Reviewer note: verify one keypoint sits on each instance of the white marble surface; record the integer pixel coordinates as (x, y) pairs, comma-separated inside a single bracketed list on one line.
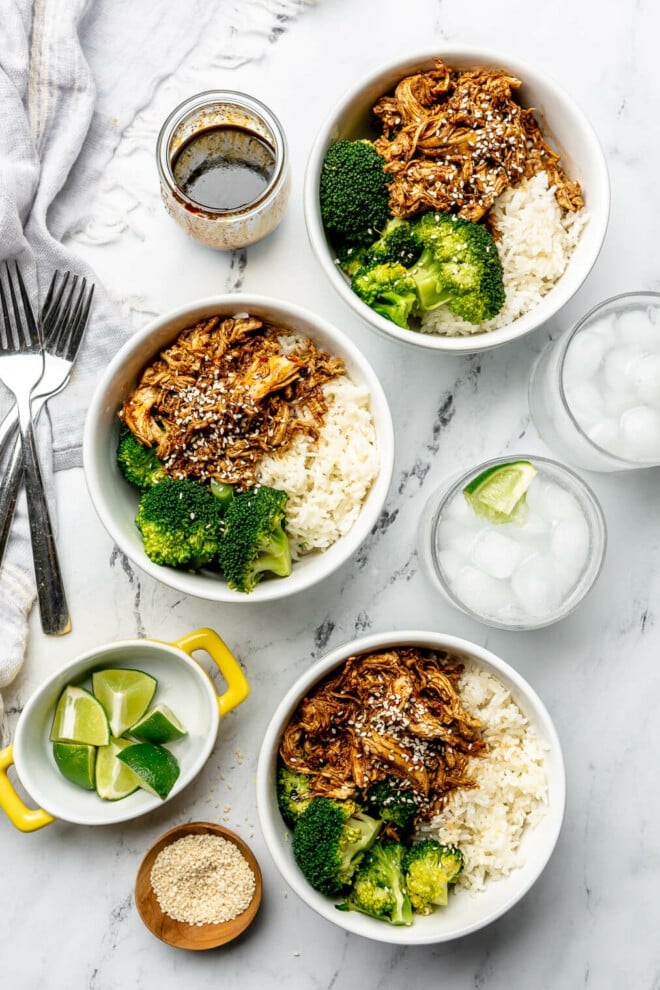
[(592, 920)]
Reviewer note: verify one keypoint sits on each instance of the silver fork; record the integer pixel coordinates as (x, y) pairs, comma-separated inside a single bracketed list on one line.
[(21, 368), (63, 321)]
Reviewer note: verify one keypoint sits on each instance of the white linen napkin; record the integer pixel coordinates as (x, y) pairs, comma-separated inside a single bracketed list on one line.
[(59, 127)]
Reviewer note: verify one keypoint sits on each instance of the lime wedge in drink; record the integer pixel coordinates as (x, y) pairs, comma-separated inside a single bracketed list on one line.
[(498, 493), (79, 718), (76, 761), (154, 765), (158, 725), (114, 780), (125, 695)]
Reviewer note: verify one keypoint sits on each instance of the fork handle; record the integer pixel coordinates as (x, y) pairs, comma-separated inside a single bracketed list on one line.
[(55, 620), (7, 427), (9, 486)]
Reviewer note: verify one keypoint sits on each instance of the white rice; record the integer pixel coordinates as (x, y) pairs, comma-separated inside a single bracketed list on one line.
[(327, 480), (487, 822), (536, 243)]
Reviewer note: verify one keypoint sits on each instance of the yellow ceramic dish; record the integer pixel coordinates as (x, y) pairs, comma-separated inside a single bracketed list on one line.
[(182, 684)]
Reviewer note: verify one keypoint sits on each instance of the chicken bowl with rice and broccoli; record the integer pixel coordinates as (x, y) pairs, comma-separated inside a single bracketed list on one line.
[(238, 449), (456, 199), (410, 787)]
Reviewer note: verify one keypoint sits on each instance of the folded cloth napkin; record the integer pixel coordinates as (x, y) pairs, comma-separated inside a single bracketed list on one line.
[(57, 133)]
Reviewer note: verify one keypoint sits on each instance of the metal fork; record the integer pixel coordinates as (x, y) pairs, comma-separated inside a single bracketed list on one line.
[(63, 321), (21, 368)]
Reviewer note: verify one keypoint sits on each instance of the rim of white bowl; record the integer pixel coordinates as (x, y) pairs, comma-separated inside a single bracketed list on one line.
[(106, 812), (323, 564), (273, 828), (566, 286)]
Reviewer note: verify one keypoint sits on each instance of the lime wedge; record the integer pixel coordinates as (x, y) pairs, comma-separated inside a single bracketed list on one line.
[(159, 725), (125, 695), (155, 767), (498, 493), (79, 718), (76, 761), (114, 780)]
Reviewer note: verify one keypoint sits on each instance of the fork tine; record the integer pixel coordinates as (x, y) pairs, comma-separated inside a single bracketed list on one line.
[(62, 328), (51, 308), (31, 331), (13, 327), (49, 297), (79, 323), (7, 337)]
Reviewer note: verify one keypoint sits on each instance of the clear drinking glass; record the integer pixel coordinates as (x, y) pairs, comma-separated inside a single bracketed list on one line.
[(515, 575), (594, 393)]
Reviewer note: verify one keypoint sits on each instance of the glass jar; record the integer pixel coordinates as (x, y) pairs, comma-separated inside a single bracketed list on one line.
[(246, 139)]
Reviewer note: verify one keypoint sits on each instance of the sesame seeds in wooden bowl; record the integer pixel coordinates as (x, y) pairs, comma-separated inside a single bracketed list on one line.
[(199, 886)]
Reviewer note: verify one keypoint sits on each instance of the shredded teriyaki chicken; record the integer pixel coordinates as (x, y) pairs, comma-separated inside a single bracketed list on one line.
[(226, 393), (398, 713), (454, 140)]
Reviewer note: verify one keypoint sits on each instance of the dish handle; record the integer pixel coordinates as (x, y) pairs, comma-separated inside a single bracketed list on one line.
[(25, 819), (237, 684)]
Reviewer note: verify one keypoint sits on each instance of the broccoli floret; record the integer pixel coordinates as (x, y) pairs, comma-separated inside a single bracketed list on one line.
[(459, 266), (254, 540), (180, 522), (379, 888), (354, 191), (352, 257), (138, 463), (329, 840), (388, 289), (224, 493), (398, 243), (293, 794), (430, 868), (395, 804)]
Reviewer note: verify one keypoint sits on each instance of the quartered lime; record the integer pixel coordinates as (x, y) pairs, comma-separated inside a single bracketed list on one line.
[(155, 766), (498, 493), (114, 780), (76, 762), (79, 718), (125, 695), (158, 725)]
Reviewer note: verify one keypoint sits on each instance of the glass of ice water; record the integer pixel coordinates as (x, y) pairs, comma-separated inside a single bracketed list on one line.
[(594, 393), (522, 574)]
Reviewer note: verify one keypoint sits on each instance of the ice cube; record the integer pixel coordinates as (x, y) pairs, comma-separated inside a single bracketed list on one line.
[(537, 586), (534, 531), (617, 367), (459, 508), (585, 401), (454, 535), (451, 563), (550, 501), (618, 401), (481, 592), (570, 544), (640, 433), (638, 328), (606, 434), (585, 354), (495, 553), (645, 378)]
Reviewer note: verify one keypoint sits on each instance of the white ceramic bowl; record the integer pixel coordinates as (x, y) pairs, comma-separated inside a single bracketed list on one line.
[(182, 684), (116, 501), (564, 124), (465, 913)]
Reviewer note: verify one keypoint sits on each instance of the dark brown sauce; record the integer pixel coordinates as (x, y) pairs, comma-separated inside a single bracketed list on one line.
[(224, 168)]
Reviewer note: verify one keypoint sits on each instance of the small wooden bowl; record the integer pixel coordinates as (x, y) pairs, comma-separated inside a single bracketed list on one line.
[(179, 933)]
